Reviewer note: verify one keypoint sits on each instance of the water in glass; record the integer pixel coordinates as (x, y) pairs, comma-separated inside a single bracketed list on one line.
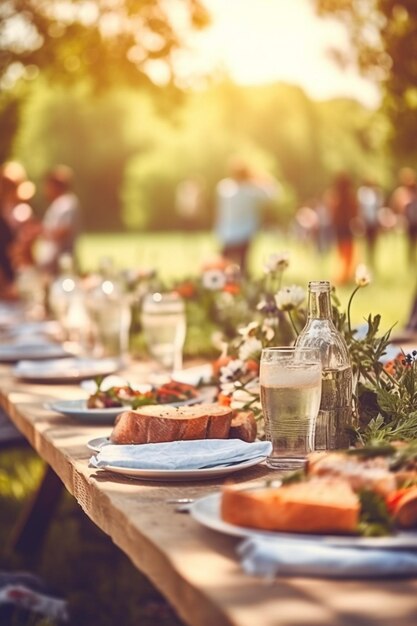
[(290, 395), (164, 327)]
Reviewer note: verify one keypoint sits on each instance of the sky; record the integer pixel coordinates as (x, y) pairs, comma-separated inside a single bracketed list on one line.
[(263, 41)]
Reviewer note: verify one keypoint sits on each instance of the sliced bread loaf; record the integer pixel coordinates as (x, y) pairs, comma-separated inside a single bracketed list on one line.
[(157, 423)]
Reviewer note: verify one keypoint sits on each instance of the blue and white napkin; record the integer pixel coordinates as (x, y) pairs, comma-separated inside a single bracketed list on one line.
[(270, 557), (181, 455)]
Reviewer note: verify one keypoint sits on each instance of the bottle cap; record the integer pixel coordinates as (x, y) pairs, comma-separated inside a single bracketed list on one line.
[(319, 285)]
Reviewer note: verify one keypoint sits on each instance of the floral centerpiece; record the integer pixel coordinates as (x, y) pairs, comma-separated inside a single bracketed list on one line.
[(385, 397), (228, 314)]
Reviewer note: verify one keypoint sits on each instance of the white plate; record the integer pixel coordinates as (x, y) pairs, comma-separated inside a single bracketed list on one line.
[(185, 475), (97, 443), (206, 511), (41, 350), (44, 328), (79, 410), (194, 375), (10, 313), (64, 370)]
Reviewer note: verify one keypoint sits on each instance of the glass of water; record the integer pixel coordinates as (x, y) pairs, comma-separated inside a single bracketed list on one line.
[(290, 380), (164, 326)]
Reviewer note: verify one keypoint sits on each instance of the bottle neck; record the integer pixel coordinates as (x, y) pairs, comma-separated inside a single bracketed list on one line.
[(319, 306)]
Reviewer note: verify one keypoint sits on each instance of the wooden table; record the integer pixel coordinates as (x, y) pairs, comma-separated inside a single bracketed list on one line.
[(194, 567)]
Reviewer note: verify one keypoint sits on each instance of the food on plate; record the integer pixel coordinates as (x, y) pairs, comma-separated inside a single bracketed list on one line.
[(369, 491), (317, 506), (155, 424), (403, 506), (170, 392), (361, 473), (243, 426)]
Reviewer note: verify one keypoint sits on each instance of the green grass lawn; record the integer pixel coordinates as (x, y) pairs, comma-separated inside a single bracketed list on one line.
[(177, 255)]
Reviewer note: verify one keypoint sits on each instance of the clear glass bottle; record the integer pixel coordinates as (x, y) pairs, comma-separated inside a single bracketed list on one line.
[(335, 414)]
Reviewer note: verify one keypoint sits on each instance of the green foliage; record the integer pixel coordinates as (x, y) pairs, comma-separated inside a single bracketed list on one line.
[(383, 36), (130, 156), (20, 473), (375, 520), (88, 133), (386, 396), (107, 42), (10, 105)]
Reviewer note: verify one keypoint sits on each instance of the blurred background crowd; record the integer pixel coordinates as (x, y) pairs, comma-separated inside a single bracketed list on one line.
[(244, 203), (149, 142)]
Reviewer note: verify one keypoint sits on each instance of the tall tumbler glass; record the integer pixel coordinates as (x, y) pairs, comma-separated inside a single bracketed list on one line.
[(164, 327), (290, 381)]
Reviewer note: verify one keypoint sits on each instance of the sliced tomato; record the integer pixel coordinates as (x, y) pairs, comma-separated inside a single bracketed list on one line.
[(394, 498)]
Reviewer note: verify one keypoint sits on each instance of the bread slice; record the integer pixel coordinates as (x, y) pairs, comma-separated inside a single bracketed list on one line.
[(158, 423), (316, 506), (243, 426)]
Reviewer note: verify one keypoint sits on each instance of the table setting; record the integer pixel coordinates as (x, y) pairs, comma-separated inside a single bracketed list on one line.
[(266, 394)]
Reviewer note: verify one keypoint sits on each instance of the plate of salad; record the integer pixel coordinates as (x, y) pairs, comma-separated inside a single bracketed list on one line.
[(103, 405)]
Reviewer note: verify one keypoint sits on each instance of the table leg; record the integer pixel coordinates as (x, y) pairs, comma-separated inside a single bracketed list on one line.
[(33, 524)]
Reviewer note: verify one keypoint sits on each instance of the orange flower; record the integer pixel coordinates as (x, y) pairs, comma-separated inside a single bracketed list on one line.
[(186, 290), (219, 363), (393, 367), (252, 366), (216, 263), (224, 400), (232, 288)]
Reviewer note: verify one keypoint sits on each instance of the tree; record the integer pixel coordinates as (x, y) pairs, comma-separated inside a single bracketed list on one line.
[(108, 40), (383, 35), (9, 122)]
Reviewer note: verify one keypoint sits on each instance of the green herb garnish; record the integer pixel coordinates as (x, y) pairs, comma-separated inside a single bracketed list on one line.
[(370, 452), (375, 520)]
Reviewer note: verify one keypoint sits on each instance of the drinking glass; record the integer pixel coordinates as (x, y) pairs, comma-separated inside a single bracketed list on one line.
[(290, 380), (110, 319), (164, 327), (111, 325)]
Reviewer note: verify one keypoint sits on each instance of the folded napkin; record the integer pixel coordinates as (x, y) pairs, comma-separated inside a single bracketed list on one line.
[(181, 455), (270, 557)]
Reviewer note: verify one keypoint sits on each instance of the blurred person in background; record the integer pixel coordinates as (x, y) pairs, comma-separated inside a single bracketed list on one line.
[(239, 201), (18, 226), (325, 234), (342, 203), (190, 199), (404, 203), (61, 221), (370, 201)]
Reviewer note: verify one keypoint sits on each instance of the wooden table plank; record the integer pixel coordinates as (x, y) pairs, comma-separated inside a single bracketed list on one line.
[(195, 568)]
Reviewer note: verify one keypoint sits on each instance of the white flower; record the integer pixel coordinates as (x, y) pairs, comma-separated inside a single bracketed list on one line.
[(232, 371), (213, 279), (227, 389), (250, 349), (277, 262), (268, 329), (362, 276), (289, 298), (249, 330), (218, 341), (249, 395)]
